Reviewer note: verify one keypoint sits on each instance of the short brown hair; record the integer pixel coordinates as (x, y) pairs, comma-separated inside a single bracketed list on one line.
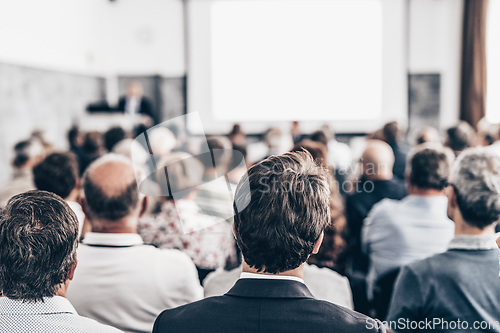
[(57, 173), (286, 210)]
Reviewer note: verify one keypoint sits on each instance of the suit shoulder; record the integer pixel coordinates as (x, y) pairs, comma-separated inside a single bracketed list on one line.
[(352, 321), (185, 312)]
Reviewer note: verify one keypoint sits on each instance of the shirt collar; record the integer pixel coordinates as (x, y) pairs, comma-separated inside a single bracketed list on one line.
[(246, 275), (474, 242), (94, 238), (50, 305)]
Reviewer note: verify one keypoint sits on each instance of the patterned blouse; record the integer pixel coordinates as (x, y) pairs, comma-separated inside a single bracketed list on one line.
[(208, 240)]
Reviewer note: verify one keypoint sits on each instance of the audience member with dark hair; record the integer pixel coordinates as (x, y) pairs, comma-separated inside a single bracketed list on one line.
[(75, 141), (27, 154), (58, 173), (279, 222), (120, 281), (320, 136), (398, 232), (92, 150), (180, 221), (391, 133), (460, 285), (324, 283), (112, 137), (460, 137), (215, 198), (39, 237)]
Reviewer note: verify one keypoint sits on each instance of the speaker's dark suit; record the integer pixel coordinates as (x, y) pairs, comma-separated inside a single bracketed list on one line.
[(145, 107), (264, 305)]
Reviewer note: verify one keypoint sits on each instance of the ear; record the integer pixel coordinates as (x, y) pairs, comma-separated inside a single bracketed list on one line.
[(83, 202), (318, 243), (234, 231), (78, 184), (144, 206), (71, 270), (452, 198)]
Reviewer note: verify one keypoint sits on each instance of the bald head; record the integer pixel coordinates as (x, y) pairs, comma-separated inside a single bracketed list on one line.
[(110, 188), (377, 160), (428, 134)]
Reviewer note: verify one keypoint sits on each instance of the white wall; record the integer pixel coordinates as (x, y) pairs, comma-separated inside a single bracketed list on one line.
[(50, 34), (143, 37), (95, 37), (435, 39), (132, 37)]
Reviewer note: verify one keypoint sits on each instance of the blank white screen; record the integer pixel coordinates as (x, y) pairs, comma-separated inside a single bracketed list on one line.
[(274, 60)]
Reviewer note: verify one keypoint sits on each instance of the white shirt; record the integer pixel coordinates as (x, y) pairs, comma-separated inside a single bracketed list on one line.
[(80, 215), (246, 275), (132, 106), (323, 283), (54, 314), (397, 233), (121, 282)]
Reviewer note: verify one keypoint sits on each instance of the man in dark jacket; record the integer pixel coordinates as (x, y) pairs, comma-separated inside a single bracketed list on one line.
[(135, 104), (282, 209)]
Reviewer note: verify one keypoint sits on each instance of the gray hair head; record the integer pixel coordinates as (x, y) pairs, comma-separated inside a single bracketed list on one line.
[(475, 177)]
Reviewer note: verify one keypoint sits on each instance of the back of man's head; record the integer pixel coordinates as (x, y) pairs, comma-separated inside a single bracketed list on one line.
[(110, 188), (38, 240), (317, 150), (57, 173), (320, 136), (92, 142), (475, 178), (460, 137), (391, 132), (377, 160), (27, 153), (286, 210), (429, 166), (113, 136)]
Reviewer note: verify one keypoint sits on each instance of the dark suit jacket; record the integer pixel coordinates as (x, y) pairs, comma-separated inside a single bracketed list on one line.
[(144, 108), (359, 204), (264, 305)]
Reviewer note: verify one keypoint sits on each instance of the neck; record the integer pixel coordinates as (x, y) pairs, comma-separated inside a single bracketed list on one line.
[(412, 190), (126, 225), (297, 272), (62, 289), (73, 196), (463, 228)]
